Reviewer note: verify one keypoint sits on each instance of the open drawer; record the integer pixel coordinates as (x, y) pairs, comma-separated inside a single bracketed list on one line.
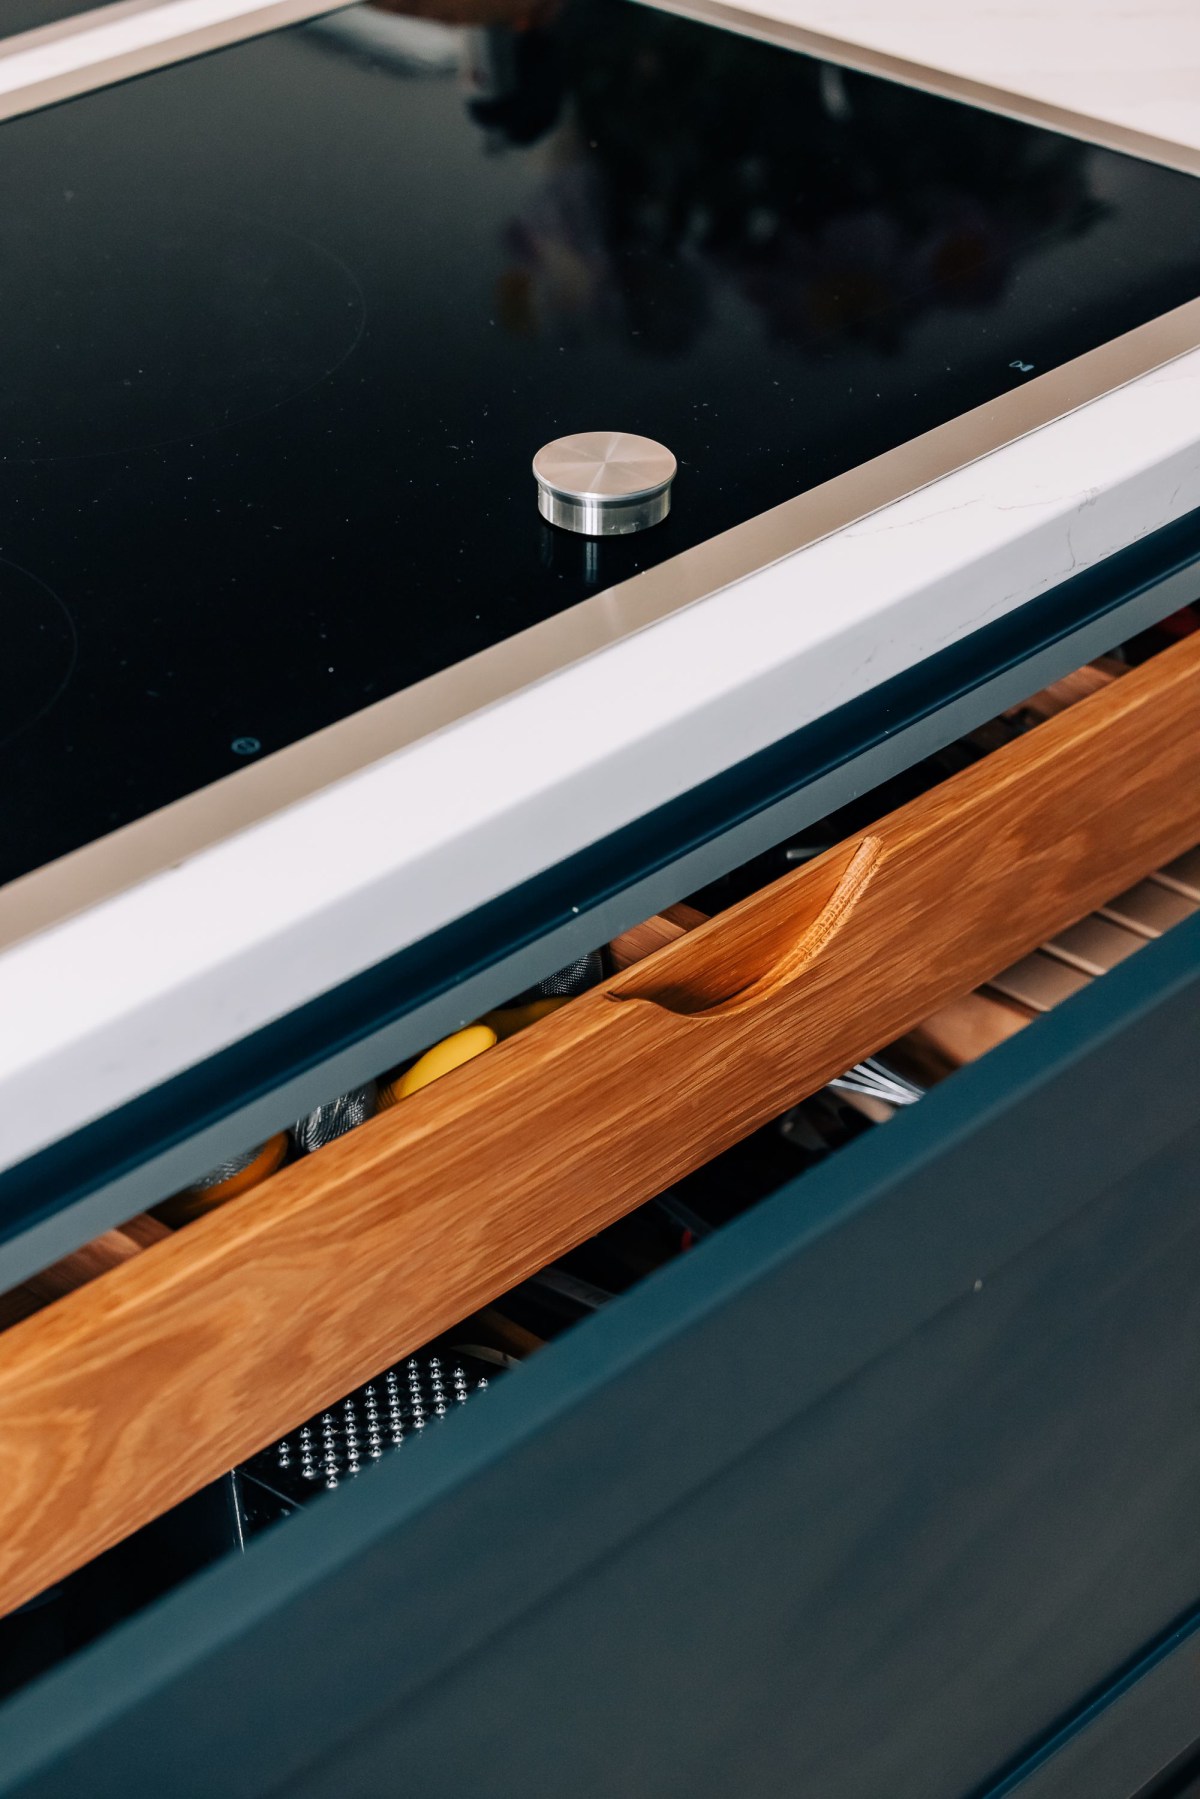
[(802, 1480)]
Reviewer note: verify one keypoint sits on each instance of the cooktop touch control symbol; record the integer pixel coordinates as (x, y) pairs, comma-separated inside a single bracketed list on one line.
[(604, 483)]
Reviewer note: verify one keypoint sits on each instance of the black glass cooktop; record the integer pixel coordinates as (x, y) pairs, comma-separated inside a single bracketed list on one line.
[(282, 328), (28, 15)]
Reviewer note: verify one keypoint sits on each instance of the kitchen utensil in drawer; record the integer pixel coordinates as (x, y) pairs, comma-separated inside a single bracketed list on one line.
[(547, 995), (237, 1174), (325, 1124), (451, 1053), (572, 979), (381, 1415), (873, 1079)]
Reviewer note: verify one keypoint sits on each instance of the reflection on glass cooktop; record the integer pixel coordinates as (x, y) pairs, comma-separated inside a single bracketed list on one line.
[(161, 325), (283, 327)]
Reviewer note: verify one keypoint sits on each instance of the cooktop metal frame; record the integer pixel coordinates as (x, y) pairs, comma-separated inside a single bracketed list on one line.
[(113, 43)]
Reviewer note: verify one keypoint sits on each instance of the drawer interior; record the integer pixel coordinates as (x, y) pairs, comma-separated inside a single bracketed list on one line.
[(344, 1287)]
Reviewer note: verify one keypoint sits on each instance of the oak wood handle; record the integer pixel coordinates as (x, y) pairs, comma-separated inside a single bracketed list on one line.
[(130, 1393), (687, 992)]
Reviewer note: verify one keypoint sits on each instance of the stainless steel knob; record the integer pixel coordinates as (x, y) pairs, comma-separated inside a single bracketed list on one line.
[(604, 483)]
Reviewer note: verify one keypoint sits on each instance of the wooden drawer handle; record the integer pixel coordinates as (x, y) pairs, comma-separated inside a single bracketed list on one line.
[(123, 1397), (826, 902)]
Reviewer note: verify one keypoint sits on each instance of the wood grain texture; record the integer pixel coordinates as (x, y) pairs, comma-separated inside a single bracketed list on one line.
[(1080, 684), (965, 1029), (82, 1265), (16, 1304), (1049, 701), (960, 1031), (134, 1391), (98, 1257), (193, 1202), (642, 940)]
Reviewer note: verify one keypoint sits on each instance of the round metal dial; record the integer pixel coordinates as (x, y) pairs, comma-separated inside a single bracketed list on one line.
[(604, 483)]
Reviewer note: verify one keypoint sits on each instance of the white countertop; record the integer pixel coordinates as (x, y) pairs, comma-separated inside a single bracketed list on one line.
[(1128, 62), (102, 1007)]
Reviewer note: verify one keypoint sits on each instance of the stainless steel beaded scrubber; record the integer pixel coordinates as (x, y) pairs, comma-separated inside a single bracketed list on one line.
[(332, 1120), (382, 1415)]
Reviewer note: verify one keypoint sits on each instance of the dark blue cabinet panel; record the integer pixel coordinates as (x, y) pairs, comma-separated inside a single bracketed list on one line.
[(869, 1495)]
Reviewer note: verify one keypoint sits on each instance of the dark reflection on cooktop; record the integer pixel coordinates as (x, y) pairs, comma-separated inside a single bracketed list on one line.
[(690, 176), (158, 325), (283, 328), (37, 651), (29, 15)]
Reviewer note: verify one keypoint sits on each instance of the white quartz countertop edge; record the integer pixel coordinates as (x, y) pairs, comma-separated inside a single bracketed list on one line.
[(108, 1004)]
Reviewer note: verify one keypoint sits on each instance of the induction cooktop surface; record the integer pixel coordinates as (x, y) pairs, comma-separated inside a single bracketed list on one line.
[(284, 326), (29, 15)]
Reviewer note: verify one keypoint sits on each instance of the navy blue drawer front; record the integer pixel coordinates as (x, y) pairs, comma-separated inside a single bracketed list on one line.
[(866, 1495)]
